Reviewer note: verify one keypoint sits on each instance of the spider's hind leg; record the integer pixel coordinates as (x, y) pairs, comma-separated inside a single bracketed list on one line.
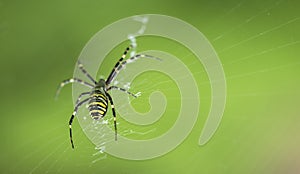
[(72, 118), (114, 113)]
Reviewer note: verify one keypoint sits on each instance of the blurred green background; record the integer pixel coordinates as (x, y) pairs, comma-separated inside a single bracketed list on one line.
[(257, 41)]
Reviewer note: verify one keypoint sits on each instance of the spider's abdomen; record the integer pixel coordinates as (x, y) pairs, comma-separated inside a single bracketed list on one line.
[(97, 104)]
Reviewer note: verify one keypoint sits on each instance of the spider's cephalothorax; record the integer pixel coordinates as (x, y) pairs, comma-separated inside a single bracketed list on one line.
[(98, 97)]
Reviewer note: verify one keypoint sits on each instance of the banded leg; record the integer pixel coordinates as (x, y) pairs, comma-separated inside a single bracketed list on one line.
[(86, 73), (72, 117), (81, 95), (72, 80), (112, 74), (114, 113), (122, 89), (121, 65)]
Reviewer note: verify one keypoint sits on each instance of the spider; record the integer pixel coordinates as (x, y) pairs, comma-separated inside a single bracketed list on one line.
[(98, 96)]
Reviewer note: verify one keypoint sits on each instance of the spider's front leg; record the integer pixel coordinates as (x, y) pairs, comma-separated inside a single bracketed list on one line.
[(114, 70), (85, 72)]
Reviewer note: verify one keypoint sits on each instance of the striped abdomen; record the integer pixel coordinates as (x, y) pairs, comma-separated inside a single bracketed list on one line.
[(97, 104)]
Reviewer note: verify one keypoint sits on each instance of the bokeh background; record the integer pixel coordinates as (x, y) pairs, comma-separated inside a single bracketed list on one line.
[(258, 43)]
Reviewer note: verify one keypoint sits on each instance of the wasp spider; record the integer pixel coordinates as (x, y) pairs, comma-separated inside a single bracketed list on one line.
[(98, 97)]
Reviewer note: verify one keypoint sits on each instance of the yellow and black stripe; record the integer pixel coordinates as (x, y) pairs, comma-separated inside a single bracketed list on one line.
[(98, 104)]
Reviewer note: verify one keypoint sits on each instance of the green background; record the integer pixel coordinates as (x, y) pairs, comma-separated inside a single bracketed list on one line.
[(257, 42)]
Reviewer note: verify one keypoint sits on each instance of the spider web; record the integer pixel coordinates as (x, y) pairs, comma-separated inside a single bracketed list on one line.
[(62, 148), (142, 88)]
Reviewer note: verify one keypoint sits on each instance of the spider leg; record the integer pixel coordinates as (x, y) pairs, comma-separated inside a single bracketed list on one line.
[(113, 72), (81, 95), (72, 80), (72, 117), (114, 113), (121, 65), (121, 89), (86, 73)]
